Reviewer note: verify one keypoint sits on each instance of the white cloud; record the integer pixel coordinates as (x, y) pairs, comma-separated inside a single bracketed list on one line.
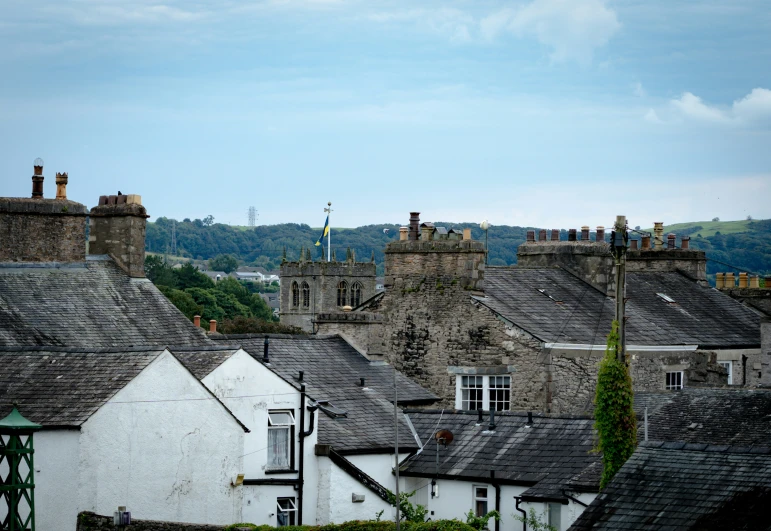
[(755, 107), (573, 29)]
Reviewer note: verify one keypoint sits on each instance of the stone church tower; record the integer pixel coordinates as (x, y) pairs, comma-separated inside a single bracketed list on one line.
[(309, 288)]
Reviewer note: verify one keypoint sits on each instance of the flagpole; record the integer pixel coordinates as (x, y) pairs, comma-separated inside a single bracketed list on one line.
[(329, 232)]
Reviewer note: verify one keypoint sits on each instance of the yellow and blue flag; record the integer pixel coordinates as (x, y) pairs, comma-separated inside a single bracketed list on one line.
[(323, 232)]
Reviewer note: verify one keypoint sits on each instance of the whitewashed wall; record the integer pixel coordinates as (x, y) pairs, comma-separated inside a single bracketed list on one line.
[(335, 503), (57, 475), (162, 457), (243, 376), (457, 497), (378, 466)]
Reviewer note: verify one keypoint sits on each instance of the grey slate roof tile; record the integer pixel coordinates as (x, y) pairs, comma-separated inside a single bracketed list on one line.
[(332, 370), (64, 387), (91, 304), (575, 312), (552, 453)]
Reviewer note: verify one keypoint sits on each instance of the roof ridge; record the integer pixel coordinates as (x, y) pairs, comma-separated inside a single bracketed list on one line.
[(705, 447)]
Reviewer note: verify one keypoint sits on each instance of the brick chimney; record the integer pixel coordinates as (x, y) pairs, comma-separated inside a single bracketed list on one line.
[(34, 229), (118, 228)]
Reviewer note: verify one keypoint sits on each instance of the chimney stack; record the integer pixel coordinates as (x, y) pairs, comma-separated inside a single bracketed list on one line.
[(61, 186), (118, 227), (403, 234), (426, 232), (572, 235), (585, 233), (555, 235), (213, 326), (414, 234), (658, 235), (197, 320), (600, 234), (37, 179), (671, 241), (645, 242), (467, 234), (542, 235), (719, 280), (530, 236), (633, 245), (685, 242)]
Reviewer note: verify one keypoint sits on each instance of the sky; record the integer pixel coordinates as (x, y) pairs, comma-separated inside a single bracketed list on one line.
[(542, 113)]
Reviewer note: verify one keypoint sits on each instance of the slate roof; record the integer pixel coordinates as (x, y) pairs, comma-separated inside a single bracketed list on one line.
[(548, 457), (665, 486), (202, 361), (60, 387), (738, 417), (90, 304), (331, 371), (571, 311)]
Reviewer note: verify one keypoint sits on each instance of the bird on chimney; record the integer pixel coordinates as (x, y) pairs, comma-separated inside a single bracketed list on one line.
[(119, 193)]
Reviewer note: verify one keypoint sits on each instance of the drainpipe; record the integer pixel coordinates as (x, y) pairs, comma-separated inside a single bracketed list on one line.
[(524, 513), (574, 500), (303, 435), (744, 370), (497, 498)]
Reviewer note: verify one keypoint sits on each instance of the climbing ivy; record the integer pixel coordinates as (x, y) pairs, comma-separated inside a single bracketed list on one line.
[(614, 410)]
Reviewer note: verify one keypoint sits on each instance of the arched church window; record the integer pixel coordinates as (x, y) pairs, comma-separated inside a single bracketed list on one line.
[(306, 289), (295, 295), (355, 294)]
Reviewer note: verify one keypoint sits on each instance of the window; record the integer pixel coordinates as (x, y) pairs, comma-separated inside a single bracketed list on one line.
[(675, 380), (306, 295), (555, 515), (729, 367), (280, 439), (480, 500), (295, 295), (286, 512), (342, 293), (483, 392), (356, 295)]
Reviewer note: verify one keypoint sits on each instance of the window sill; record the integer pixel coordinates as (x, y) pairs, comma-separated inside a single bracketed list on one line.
[(279, 471)]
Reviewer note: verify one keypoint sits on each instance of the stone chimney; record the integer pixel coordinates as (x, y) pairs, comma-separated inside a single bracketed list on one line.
[(118, 228), (658, 235), (34, 229)]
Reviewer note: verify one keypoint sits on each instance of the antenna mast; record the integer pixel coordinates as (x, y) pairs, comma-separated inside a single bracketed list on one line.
[(252, 216)]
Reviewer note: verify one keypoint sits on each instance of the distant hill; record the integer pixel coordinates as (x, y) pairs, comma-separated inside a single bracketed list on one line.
[(743, 244)]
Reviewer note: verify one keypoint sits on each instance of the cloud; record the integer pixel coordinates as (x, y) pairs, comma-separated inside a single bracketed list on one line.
[(652, 117), (638, 90), (573, 29), (755, 107)]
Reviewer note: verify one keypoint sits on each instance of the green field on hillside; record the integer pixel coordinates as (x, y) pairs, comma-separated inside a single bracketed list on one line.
[(707, 228)]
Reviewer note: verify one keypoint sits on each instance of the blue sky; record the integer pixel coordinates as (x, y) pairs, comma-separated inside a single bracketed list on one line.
[(547, 113)]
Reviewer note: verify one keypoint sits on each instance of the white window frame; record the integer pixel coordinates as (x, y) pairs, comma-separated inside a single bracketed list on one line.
[(729, 366), (291, 512), (460, 386), (475, 498), (275, 423), (677, 385)]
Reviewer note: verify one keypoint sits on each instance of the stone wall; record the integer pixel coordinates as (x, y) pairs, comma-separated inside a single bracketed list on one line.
[(323, 279), (42, 230), (88, 521), (119, 230), (591, 261), (363, 330), (691, 262), (757, 298), (459, 262), (765, 351)]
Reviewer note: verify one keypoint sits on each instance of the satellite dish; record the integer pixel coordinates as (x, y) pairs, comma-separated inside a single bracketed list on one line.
[(444, 437)]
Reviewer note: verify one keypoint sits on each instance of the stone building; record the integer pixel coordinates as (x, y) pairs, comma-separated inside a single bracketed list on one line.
[(530, 337), (309, 288)]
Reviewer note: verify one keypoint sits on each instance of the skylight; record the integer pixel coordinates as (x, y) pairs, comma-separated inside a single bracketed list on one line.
[(666, 298)]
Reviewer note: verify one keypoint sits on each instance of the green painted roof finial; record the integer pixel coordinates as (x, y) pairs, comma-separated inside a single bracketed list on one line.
[(15, 422)]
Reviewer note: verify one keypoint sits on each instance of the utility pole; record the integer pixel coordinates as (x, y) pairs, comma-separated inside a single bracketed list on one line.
[(174, 237), (618, 243), (396, 450)]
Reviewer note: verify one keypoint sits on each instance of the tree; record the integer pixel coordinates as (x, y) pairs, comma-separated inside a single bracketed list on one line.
[(224, 262), (159, 272), (208, 221), (615, 420), (409, 512), (716, 218), (534, 523), (480, 522)]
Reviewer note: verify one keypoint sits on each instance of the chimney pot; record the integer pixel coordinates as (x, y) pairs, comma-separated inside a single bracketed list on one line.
[(730, 281), (37, 179), (719, 280), (585, 233), (414, 226), (542, 235), (572, 235), (300, 376), (755, 282), (600, 237), (362, 382), (197, 320), (645, 242), (492, 420), (213, 326), (38, 166), (555, 235), (633, 245), (531, 236), (658, 235), (426, 233), (479, 412), (742, 280), (265, 347), (685, 242), (467, 234), (768, 282), (61, 185), (671, 241), (403, 234), (529, 418)]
